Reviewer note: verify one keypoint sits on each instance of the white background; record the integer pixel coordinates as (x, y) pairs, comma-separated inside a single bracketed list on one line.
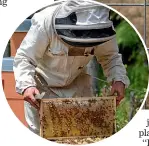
[(12, 131)]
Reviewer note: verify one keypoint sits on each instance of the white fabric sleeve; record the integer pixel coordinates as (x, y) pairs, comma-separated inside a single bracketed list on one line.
[(29, 53), (111, 61)]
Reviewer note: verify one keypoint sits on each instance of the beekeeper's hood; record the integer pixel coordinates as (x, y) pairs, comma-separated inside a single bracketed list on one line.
[(83, 23)]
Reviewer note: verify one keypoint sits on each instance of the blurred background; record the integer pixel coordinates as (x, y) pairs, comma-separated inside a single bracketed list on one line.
[(134, 56), (131, 48), (135, 61)]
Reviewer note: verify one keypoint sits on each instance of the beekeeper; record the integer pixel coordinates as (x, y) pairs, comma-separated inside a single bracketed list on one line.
[(54, 54)]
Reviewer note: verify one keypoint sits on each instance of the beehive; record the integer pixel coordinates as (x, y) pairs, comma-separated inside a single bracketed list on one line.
[(16, 101), (77, 117), (19, 35)]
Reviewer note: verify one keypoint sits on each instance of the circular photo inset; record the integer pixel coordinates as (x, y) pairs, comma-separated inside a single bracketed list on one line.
[(75, 72)]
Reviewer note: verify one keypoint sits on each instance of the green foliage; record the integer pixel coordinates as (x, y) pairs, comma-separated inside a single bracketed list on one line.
[(122, 114), (126, 36), (135, 61), (137, 70)]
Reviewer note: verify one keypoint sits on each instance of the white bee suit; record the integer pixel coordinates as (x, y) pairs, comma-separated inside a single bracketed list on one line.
[(44, 55)]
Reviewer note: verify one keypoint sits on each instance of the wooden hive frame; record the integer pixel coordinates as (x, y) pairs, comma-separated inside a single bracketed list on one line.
[(77, 117)]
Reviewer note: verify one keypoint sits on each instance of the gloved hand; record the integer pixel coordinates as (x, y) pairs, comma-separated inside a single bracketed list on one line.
[(29, 96), (119, 88)]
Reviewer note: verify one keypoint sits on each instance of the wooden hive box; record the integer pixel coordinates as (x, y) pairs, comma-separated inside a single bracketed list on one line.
[(19, 35), (15, 100), (77, 117)]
